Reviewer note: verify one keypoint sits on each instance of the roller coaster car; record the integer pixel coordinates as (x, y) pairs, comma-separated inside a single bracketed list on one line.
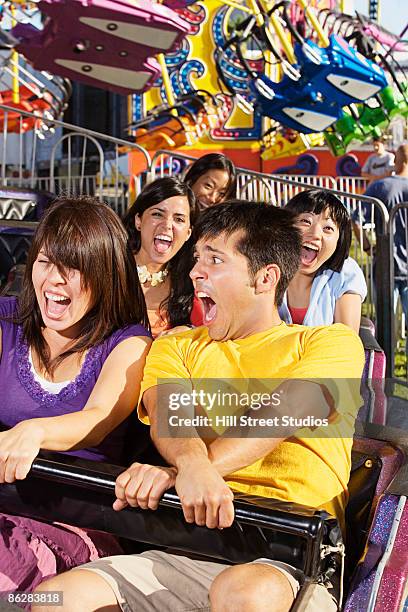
[(173, 133), (282, 143), (182, 124), (31, 100), (294, 109), (79, 492), (368, 121), (314, 102), (286, 142), (178, 125), (112, 45), (343, 75), (82, 493), (18, 205)]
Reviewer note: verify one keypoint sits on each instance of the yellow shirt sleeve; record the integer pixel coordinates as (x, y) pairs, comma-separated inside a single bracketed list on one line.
[(164, 361), (330, 351), (334, 357)]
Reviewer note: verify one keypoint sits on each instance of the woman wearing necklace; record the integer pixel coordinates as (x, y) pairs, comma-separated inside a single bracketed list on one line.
[(159, 225)]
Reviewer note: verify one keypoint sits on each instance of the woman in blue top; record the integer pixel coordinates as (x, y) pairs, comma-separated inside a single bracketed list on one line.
[(329, 286)]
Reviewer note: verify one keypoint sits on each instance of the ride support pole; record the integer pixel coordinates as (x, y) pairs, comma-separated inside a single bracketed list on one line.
[(384, 292)]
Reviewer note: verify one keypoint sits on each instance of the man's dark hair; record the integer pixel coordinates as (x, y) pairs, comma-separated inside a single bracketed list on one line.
[(268, 236), (317, 201)]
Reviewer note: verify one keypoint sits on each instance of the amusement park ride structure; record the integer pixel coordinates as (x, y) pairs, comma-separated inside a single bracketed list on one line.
[(248, 76), (284, 46)]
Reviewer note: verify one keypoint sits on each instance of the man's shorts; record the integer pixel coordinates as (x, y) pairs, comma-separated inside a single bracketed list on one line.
[(157, 580)]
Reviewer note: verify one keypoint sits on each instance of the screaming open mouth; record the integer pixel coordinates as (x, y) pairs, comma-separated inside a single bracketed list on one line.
[(308, 255), (162, 243), (209, 307), (56, 304)]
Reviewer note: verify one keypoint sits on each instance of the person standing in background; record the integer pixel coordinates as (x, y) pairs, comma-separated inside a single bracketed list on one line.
[(391, 190), (380, 163)]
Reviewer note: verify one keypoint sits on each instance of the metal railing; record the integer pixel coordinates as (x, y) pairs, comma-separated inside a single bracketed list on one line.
[(111, 184), (81, 144), (351, 184), (251, 185), (263, 187), (260, 186), (86, 184), (168, 163)]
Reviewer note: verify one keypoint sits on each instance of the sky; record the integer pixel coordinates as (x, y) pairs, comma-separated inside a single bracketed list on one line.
[(393, 13)]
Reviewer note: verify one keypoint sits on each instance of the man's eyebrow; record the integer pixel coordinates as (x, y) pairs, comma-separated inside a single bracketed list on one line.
[(212, 250), (207, 247)]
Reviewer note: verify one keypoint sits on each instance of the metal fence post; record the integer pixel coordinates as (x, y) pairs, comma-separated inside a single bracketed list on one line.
[(383, 308)]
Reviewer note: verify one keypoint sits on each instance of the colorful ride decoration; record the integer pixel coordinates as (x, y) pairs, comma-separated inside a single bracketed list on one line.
[(348, 165), (33, 103), (283, 142), (317, 81), (305, 164), (191, 69), (314, 101), (112, 45), (23, 88), (280, 93), (224, 72), (333, 21), (362, 122), (180, 125), (365, 122)]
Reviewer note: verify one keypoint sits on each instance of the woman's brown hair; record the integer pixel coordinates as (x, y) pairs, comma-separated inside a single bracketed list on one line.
[(83, 234), (179, 303)]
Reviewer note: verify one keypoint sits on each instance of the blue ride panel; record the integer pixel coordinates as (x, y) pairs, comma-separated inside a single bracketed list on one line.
[(301, 111), (311, 104), (343, 75)]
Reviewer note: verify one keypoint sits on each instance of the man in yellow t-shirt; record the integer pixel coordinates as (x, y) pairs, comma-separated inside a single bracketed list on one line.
[(294, 352), (301, 394)]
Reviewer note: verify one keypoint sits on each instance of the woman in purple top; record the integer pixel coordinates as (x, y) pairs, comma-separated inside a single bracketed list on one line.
[(72, 352)]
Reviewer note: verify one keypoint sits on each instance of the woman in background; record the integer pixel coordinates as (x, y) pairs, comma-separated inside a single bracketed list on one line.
[(212, 179), (159, 225), (329, 286)]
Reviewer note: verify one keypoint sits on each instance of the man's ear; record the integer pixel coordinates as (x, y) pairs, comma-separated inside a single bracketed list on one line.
[(267, 279)]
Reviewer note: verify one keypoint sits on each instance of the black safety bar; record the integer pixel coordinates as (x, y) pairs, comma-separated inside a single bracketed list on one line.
[(71, 490)]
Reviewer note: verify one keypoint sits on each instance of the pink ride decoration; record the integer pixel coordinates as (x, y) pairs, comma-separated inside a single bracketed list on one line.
[(103, 43)]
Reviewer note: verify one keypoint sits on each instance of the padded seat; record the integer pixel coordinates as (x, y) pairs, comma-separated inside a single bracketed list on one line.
[(374, 465), (374, 408), (18, 205)]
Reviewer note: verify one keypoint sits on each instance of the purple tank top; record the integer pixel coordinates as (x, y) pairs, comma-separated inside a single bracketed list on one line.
[(22, 398)]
